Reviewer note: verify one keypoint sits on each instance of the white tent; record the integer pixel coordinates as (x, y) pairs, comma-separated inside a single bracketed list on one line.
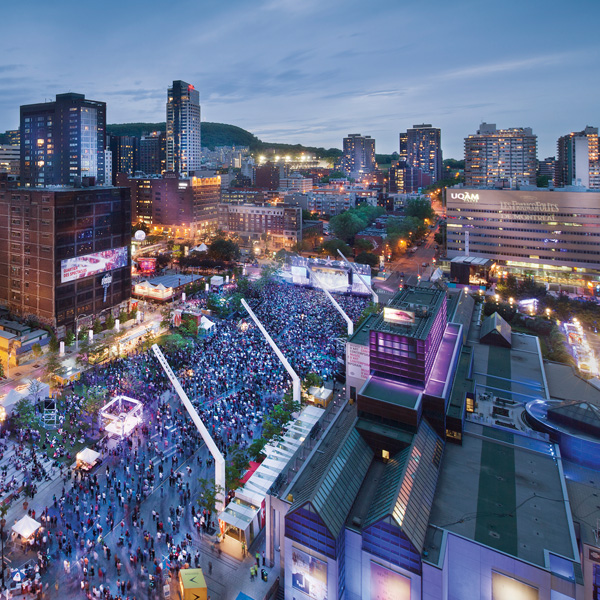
[(437, 274), (26, 527), (206, 323), (88, 456), (217, 280)]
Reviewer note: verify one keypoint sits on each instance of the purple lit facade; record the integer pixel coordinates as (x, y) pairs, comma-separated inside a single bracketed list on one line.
[(404, 356)]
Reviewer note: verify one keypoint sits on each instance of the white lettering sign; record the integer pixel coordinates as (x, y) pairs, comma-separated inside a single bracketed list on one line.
[(465, 196)]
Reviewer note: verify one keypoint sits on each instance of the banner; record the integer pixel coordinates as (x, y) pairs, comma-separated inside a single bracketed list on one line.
[(79, 267)]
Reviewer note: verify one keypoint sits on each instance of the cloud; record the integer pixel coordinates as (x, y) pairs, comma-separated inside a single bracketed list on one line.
[(493, 68)]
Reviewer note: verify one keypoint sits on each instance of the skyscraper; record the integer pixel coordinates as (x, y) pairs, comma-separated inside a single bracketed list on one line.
[(359, 155), (125, 154), (421, 147), (62, 141), (578, 161), (152, 153), (183, 129), (500, 156)]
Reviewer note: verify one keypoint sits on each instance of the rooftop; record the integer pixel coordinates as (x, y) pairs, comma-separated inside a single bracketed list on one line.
[(392, 392), (501, 490), (423, 302), (462, 384)]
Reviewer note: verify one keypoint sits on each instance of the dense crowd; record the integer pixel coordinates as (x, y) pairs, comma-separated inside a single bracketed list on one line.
[(99, 526)]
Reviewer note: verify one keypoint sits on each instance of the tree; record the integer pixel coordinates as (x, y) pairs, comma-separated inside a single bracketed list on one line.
[(419, 208), (97, 327), (330, 247), (222, 249), (363, 245), (94, 399), (82, 335), (110, 321), (24, 413), (54, 367), (37, 350), (346, 225), (208, 492), (234, 469), (69, 338), (53, 344), (365, 258), (312, 380), (255, 450)]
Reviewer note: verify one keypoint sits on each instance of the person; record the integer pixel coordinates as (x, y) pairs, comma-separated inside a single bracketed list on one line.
[(257, 559), (209, 567), (263, 558)]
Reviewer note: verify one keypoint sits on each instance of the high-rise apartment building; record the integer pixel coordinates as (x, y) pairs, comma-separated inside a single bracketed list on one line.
[(359, 155), (125, 151), (421, 147), (63, 141), (188, 205), (546, 168), (578, 161), (153, 153), (10, 159), (406, 179), (500, 156), (64, 252), (184, 151)]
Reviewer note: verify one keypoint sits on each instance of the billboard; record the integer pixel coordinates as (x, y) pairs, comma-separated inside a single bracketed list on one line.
[(79, 267), (309, 575), (387, 584), (400, 317), (358, 361), (147, 264)]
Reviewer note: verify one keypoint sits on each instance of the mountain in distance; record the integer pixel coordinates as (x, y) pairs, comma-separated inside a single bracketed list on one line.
[(221, 134)]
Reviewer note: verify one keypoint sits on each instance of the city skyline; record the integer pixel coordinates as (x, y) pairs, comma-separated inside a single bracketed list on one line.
[(303, 72)]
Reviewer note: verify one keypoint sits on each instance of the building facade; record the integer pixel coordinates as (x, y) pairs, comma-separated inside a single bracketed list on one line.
[(182, 205), (125, 151), (578, 160), (153, 157), (183, 139), (551, 234), (421, 147), (63, 141), (500, 157), (358, 157), (10, 159), (282, 224), (546, 168), (406, 179), (65, 252)]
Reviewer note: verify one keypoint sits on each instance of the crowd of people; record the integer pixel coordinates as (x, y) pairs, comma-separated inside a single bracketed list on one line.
[(108, 539)]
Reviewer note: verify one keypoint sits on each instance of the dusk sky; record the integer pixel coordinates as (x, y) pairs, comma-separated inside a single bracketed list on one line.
[(312, 71)]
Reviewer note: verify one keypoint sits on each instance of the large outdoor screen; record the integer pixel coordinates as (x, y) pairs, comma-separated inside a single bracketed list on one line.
[(79, 267), (309, 575)]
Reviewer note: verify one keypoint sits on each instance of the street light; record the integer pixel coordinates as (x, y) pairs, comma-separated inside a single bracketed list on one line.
[(77, 317)]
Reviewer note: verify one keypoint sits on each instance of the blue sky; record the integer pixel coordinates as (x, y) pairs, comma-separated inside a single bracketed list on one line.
[(312, 71)]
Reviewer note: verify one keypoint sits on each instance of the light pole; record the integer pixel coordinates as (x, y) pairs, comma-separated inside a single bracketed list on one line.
[(77, 317)]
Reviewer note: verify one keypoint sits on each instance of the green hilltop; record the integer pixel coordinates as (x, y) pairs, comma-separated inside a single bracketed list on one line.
[(221, 134)]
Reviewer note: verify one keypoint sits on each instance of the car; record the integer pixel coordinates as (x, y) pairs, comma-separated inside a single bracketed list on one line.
[(402, 274), (436, 247), (425, 264)]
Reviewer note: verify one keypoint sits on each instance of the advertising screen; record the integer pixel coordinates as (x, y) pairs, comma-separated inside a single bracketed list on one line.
[(309, 575), (79, 267), (388, 585), (395, 315), (358, 361), (333, 280), (147, 265)]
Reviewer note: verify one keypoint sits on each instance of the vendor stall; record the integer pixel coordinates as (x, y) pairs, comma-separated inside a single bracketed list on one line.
[(87, 459), (26, 527)]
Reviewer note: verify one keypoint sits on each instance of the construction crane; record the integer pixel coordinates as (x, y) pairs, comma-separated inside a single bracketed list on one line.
[(212, 447)]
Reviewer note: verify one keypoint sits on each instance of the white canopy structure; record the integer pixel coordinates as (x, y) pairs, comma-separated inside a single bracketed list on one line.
[(88, 456), (206, 323), (26, 527)]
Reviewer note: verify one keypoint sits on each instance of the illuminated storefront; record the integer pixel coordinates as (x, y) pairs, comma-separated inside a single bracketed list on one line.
[(551, 235)]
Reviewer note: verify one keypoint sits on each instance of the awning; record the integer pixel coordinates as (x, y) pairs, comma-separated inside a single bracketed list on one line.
[(88, 456), (250, 471), (26, 526)]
